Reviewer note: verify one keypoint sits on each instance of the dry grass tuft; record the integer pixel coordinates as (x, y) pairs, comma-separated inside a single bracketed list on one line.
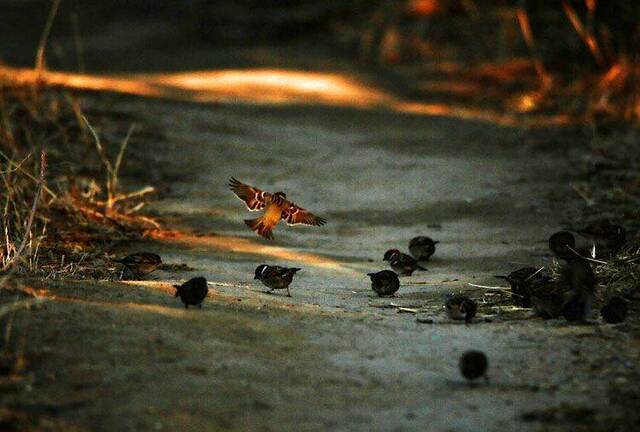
[(60, 221)]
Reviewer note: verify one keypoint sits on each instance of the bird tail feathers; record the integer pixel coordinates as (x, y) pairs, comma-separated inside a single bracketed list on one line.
[(260, 227)]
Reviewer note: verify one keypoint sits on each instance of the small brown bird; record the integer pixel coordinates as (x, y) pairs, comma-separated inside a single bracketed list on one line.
[(192, 292), (275, 277), (548, 297), (139, 264), (605, 234), (460, 307), (384, 283), (578, 274), (402, 264), (615, 311), (521, 281), (473, 364), (422, 247), (561, 243), (276, 207)]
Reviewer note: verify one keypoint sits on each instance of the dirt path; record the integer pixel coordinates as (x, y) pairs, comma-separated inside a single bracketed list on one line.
[(107, 356)]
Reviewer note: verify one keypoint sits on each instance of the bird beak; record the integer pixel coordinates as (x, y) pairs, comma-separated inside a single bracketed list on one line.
[(255, 277)]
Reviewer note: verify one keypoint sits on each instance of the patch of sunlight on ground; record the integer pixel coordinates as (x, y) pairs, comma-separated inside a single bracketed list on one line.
[(265, 87)]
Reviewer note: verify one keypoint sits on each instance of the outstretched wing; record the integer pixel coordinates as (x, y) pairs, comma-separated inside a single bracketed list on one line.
[(293, 215), (254, 198)]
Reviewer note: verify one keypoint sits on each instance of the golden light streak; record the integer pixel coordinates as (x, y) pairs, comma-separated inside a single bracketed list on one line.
[(245, 246), (265, 87)]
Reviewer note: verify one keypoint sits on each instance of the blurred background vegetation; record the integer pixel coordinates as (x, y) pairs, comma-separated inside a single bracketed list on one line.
[(582, 55), (575, 59)]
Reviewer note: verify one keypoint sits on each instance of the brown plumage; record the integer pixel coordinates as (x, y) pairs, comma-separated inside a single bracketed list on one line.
[(401, 263), (140, 264), (276, 207)]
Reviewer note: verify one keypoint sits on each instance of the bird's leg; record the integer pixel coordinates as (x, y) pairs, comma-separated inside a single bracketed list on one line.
[(200, 306), (288, 292), (186, 306)]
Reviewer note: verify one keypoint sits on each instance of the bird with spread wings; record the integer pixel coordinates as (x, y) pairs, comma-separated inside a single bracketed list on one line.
[(276, 207)]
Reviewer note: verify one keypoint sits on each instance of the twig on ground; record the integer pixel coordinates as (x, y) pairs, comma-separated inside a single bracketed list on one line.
[(497, 288), (584, 257)]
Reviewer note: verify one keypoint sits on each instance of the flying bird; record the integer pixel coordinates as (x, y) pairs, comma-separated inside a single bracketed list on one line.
[(276, 207)]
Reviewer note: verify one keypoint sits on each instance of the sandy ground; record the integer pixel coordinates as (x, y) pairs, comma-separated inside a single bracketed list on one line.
[(111, 356)]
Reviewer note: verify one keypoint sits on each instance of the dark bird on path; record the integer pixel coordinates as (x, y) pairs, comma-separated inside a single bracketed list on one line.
[(140, 264), (575, 309), (276, 277), (521, 281), (615, 311), (561, 244), (548, 297), (192, 292), (460, 307), (422, 247), (401, 263), (384, 283), (606, 235), (276, 207), (473, 364), (578, 275)]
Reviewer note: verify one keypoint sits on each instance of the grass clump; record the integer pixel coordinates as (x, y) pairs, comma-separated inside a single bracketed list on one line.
[(62, 204)]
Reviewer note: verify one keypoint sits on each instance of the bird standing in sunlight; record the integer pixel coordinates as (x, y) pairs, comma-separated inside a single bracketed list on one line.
[(139, 264), (276, 207), (275, 277)]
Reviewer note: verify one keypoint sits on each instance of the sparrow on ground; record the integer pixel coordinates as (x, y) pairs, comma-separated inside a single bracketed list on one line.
[(460, 307), (561, 244), (422, 248), (473, 364), (578, 274), (615, 311), (275, 277), (276, 207), (548, 297), (384, 283), (402, 264), (192, 292), (574, 309), (605, 234), (139, 264), (521, 281)]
